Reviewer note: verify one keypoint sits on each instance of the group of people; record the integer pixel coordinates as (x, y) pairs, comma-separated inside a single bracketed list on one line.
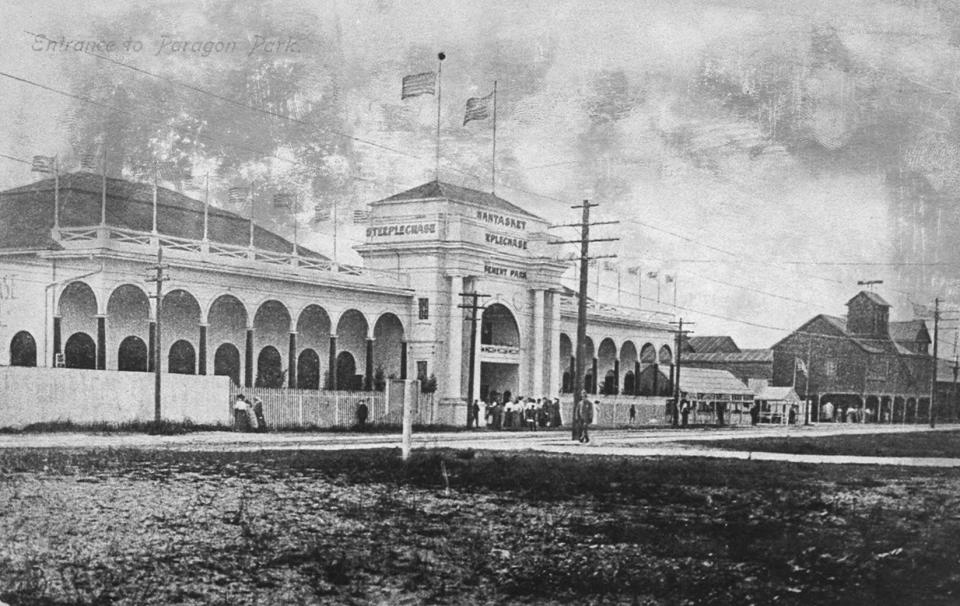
[(516, 413), (248, 414)]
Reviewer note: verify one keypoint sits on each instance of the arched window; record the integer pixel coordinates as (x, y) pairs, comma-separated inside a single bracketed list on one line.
[(23, 350), (308, 370), (132, 354), (226, 362), (80, 351), (347, 378), (269, 368), (183, 358)]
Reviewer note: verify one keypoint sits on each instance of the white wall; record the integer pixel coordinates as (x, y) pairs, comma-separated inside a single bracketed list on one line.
[(36, 395)]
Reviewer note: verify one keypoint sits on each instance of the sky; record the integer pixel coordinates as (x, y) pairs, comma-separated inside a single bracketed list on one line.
[(763, 155)]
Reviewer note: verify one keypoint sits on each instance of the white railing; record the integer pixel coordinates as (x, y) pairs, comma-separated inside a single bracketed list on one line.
[(509, 350), (294, 408), (117, 235)]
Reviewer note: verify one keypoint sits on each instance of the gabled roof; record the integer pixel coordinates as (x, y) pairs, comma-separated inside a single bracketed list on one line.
[(439, 189), (719, 344), (871, 296), (909, 331), (768, 392), (840, 328), (709, 380), (740, 357)]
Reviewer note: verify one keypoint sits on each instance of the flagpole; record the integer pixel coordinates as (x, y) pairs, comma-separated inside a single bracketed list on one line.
[(251, 215), (493, 171), (639, 287), (155, 169), (658, 287), (440, 58), (56, 192), (103, 188), (206, 206), (618, 287), (335, 230), (674, 291), (294, 226)]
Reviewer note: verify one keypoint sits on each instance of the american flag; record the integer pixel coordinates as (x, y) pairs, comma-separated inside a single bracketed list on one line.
[(88, 161), (478, 108), (634, 271), (238, 195), (43, 164), (361, 216), (608, 266), (652, 274), (668, 278), (282, 200), (419, 84), (321, 214)]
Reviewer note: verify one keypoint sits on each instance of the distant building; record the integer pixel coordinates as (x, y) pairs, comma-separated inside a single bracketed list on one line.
[(722, 353), (867, 367)]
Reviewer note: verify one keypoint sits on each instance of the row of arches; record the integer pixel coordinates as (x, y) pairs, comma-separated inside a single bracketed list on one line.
[(271, 348), (625, 371)]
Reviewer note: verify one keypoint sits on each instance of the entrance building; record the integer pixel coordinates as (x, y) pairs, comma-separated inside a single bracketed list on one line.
[(243, 302)]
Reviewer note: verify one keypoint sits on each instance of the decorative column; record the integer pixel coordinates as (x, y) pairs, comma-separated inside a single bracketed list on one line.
[(152, 347), (455, 341), (616, 373), (248, 360), (538, 344), (636, 378), (368, 374), (202, 351), (57, 348), (554, 376), (292, 364), (101, 342), (403, 360), (596, 379), (332, 364)]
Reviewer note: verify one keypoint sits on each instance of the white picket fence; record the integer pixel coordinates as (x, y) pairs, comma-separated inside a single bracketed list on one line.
[(289, 408)]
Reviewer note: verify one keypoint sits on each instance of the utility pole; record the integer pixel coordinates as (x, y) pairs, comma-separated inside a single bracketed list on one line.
[(474, 307), (584, 242), (159, 278), (680, 333), (933, 381)]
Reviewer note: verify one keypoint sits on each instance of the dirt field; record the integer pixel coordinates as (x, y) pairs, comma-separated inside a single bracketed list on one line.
[(925, 444), (163, 527)]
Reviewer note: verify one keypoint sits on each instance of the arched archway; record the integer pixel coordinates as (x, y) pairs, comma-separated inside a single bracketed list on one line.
[(589, 379), (606, 363), (629, 383), (665, 356), (352, 330), (182, 359), (648, 354), (347, 378), (128, 315), (308, 370), (387, 343), (499, 327), (132, 355), (80, 351), (269, 368), (313, 333), (628, 366), (226, 362), (23, 349), (78, 309)]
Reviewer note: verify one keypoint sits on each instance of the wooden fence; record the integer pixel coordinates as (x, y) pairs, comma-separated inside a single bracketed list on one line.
[(289, 408)]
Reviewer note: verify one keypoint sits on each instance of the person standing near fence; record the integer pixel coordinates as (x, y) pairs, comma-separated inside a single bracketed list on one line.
[(362, 413), (241, 420), (258, 414), (633, 414)]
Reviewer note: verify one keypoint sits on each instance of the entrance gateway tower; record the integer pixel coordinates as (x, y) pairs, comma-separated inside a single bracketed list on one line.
[(452, 240)]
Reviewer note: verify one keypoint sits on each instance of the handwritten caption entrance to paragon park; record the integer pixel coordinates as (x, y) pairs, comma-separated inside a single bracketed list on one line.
[(166, 45)]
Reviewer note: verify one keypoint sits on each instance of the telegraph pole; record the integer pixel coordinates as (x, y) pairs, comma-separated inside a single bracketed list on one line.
[(584, 242), (159, 278), (678, 343), (474, 307), (933, 381)]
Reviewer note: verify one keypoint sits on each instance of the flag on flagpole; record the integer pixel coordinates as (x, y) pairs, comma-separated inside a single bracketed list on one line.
[(282, 200), (652, 274), (478, 108), (634, 271), (321, 214), (668, 278), (801, 365), (361, 216), (43, 164), (88, 161), (608, 266), (237, 195), (419, 84)]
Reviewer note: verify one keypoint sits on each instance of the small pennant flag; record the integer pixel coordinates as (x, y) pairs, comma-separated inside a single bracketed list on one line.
[(652, 274), (478, 108), (634, 271), (608, 266), (668, 278), (282, 200), (43, 164), (361, 216), (321, 214), (237, 195), (88, 161), (419, 84), (801, 366)]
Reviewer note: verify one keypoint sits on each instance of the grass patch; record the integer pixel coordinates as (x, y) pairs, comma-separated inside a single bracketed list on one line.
[(920, 444), (163, 427)]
